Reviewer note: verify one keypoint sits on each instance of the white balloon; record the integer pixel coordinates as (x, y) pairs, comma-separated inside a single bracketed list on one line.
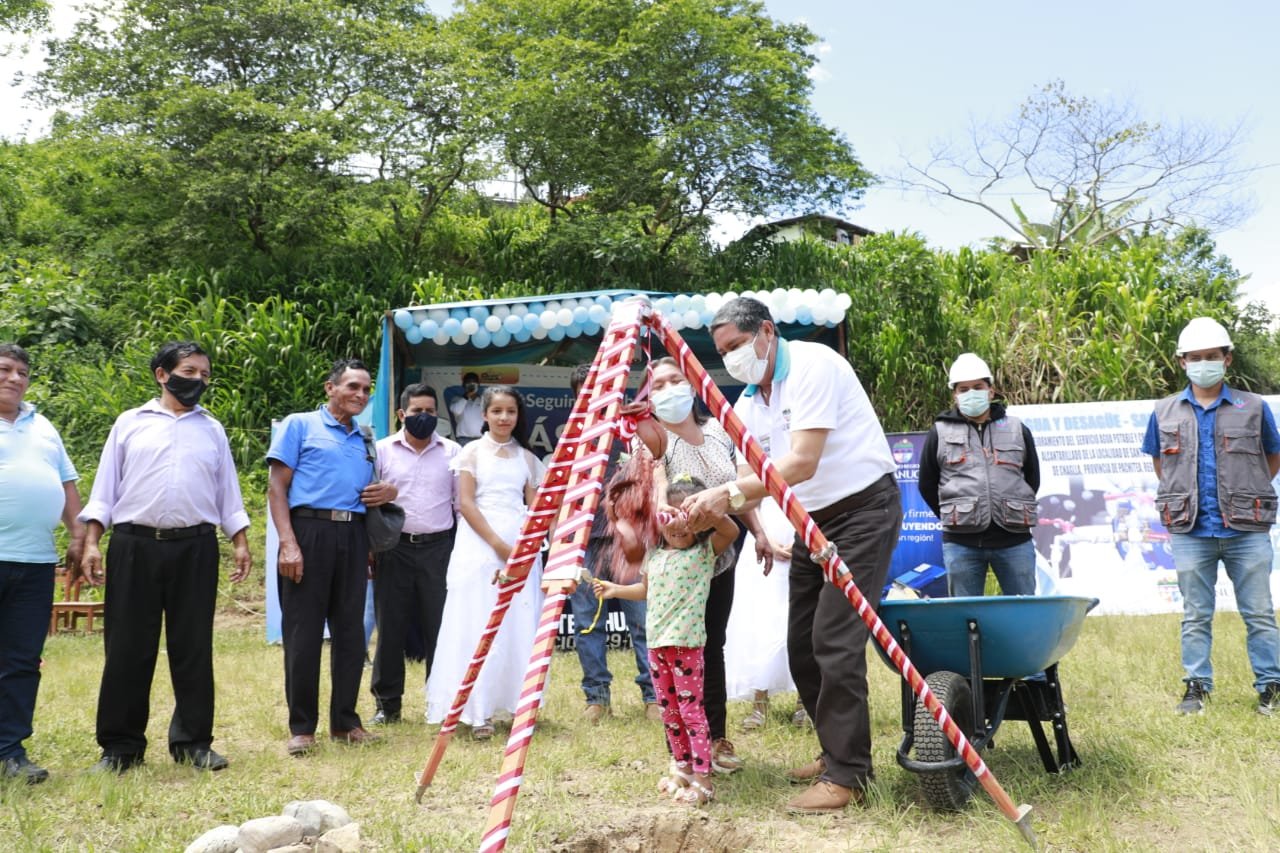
[(437, 314), (492, 323), (553, 305), (564, 317), (502, 311), (714, 301), (845, 301), (419, 316), (469, 327), (787, 314), (692, 319), (676, 321), (519, 309), (548, 319), (538, 333), (440, 339), (461, 337)]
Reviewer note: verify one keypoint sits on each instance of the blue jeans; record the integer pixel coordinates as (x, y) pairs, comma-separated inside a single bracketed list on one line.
[(1015, 568), (26, 600), (592, 648), (1247, 559)]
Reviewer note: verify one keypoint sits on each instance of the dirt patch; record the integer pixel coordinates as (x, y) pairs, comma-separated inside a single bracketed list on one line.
[(667, 833)]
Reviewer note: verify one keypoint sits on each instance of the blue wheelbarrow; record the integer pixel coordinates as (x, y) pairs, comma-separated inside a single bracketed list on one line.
[(987, 659)]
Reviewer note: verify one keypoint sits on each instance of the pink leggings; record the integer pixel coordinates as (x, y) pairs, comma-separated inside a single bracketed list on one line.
[(677, 681)]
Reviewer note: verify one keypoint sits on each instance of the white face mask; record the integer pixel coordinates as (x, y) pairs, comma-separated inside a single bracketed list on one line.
[(1206, 374), (673, 403), (744, 365), (974, 402)]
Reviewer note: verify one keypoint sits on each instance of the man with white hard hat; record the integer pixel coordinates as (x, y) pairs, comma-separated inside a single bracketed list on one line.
[(1216, 450), (979, 473)]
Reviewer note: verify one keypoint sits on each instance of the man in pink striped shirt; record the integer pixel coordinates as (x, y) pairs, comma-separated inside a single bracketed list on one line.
[(165, 482), (409, 580)]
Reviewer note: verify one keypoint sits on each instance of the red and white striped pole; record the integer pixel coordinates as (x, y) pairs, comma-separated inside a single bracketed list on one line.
[(603, 392), (833, 567), (546, 505)]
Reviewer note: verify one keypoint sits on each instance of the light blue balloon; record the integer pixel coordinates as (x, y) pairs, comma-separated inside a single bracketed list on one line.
[(512, 324), (605, 301), (597, 314), (413, 335), (403, 319), (537, 307), (532, 321), (522, 336), (555, 333), (804, 314), (580, 315), (591, 329), (573, 330), (429, 328), (459, 314), (480, 313), (481, 338), (451, 326), (707, 317), (502, 337)]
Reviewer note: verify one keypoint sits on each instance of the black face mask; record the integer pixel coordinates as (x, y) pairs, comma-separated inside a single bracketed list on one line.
[(186, 390), (421, 425)]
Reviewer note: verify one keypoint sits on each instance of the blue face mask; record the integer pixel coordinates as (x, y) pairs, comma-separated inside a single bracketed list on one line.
[(974, 403), (1206, 374)]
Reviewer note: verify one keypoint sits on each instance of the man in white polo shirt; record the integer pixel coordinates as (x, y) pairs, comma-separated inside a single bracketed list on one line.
[(805, 405)]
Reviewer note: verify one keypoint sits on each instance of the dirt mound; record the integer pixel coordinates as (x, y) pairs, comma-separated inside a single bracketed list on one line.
[(668, 833)]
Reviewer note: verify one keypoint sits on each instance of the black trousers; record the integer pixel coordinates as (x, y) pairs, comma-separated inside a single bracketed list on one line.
[(149, 583), (335, 559), (714, 692), (410, 580), (827, 640)]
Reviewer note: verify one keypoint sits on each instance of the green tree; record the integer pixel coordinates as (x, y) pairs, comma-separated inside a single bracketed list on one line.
[(662, 113), (18, 16), (280, 123)]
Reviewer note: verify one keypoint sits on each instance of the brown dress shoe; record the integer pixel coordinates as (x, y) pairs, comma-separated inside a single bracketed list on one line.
[(300, 744), (355, 736), (594, 713), (824, 797), (806, 773), (653, 712)]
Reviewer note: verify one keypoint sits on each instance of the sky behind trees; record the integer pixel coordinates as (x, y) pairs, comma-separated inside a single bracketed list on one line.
[(895, 78)]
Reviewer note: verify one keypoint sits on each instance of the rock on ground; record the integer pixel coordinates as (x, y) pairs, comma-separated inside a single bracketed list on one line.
[(344, 839), (265, 833), (222, 839), (317, 816)]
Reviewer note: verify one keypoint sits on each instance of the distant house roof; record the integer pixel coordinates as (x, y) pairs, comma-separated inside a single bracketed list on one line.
[(827, 226)]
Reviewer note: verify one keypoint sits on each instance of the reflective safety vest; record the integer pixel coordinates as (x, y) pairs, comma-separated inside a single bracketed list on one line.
[(1246, 498), (980, 478)]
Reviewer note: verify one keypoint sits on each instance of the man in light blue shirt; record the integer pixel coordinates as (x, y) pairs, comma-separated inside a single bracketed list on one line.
[(37, 488)]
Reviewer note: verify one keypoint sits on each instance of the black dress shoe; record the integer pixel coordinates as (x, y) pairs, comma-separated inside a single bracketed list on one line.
[(19, 767), (382, 718), (202, 758), (118, 764)]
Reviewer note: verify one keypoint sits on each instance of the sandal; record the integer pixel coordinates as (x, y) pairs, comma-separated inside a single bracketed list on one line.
[(676, 781), (697, 794), (483, 732)]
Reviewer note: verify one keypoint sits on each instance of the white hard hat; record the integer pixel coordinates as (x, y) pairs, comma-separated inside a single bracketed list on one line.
[(1203, 333), (968, 367)]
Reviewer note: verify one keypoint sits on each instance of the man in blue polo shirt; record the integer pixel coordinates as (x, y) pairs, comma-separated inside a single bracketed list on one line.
[(1216, 450), (318, 490), (37, 488)]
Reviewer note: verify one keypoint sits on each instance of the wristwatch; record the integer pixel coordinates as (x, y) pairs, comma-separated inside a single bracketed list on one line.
[(737, 500)]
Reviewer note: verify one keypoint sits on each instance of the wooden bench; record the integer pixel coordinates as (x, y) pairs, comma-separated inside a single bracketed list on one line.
[(68, 612)]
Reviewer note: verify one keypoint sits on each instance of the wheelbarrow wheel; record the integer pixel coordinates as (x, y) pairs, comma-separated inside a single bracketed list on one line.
[(947, 790)]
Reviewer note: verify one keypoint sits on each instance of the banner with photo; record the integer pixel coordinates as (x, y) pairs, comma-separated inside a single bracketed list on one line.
[(1099, 534)]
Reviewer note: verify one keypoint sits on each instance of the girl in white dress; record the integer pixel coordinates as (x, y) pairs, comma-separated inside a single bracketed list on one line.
[(755, 651), (498, 476)]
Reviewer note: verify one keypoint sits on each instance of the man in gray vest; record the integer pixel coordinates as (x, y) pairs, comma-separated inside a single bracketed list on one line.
[(979, 473), (1216, 450)]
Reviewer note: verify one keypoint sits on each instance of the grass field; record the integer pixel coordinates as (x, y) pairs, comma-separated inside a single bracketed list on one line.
[(1150, 780)]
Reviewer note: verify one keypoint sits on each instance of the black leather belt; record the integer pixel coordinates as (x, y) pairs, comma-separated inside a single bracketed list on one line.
[(326, 514), (422, 538), (857, 500), (164, 534)]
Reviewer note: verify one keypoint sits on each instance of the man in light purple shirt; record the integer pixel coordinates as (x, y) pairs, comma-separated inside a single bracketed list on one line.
[(165, 482), (409, 580)]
